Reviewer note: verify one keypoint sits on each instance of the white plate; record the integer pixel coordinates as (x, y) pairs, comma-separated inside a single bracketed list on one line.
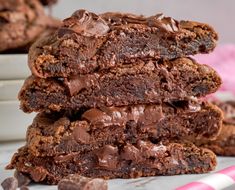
[(13, 121), (14, 66), (9, 89)]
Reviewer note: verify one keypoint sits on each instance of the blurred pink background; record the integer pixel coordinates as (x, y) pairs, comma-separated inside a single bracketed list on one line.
[(222, 59)]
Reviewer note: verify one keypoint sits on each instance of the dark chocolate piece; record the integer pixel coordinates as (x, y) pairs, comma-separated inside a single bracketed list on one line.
[(143, 83), (10, 183), (86, 24), (148, 159), (75, 182), (58, 133), (88, 42), (23, 180)]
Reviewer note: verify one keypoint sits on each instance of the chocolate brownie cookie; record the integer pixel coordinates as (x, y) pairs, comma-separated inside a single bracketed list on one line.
[(21, 23), (88, 42), (142, 158), (57, 133), (225, 143), (144, 82)]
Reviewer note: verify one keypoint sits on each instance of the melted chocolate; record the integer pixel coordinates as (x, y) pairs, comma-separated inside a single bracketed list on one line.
[(86, 23), (80, 133), (158, 21), (89, 24), (107, 157), (151, 150), (64, 158), (145, 114), (75, 182), (130, 152), (77, 83)]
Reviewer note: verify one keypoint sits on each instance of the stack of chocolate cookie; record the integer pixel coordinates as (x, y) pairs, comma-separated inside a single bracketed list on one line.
[(118, 98)]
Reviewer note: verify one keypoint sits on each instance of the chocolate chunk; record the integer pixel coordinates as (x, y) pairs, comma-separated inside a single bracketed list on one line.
[(158, 21), (64, 158), (107, 157), (97, 117), (151, 150), (105, 116), (76, 84), (86, 24), (80, 133), (38, 174), (162, 22), (23, 180), (64, 31), (130, 152), (78, 182), (10, 183)]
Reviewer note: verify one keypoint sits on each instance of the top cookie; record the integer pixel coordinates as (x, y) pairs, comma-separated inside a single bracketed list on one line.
[(21, 23), (88, 42)]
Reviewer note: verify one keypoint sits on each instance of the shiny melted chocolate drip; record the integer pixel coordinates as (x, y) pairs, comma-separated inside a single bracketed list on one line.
[(89, 24), (145, 114), (158, 21), (76, 83), (86, 23), (108, 156)]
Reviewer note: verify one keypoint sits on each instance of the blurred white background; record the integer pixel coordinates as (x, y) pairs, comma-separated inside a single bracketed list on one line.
[(218, 13)]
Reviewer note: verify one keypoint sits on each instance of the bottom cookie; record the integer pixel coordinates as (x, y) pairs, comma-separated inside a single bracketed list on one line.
[(143, 158)]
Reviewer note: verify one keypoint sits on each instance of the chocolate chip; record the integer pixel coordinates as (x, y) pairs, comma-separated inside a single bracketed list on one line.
[(151, 150), (75, 182), (23, 180), (63, 31), (130, 152), (108, 157), (10, 183), (38, 174), (80, 133), (86, 23)]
